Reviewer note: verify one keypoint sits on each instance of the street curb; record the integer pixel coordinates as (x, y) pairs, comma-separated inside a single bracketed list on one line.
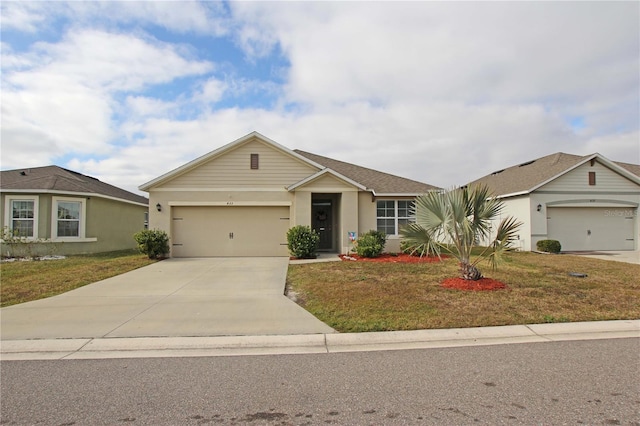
[(155, 347)]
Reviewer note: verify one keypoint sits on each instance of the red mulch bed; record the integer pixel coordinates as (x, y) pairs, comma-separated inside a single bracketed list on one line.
[(388, 258), (483, 284)]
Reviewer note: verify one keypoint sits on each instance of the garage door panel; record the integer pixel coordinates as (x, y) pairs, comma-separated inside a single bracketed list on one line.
[(591, 228), (229, 231)]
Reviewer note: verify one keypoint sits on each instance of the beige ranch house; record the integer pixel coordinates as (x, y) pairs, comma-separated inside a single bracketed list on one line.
[(240, 200)]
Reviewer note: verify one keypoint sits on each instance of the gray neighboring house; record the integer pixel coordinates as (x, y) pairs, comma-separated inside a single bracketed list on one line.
[(82, 213), (240, 200), (586, 202)]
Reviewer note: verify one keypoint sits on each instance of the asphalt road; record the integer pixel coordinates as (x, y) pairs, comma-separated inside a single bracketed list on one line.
[(571, 382)]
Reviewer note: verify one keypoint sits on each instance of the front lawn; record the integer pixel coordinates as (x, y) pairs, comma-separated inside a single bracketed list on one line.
[(26, 281), (361, 296)]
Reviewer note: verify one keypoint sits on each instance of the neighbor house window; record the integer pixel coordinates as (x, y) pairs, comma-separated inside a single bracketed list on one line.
[(21, 216), (392, 215), (68, 217), (254, 161)]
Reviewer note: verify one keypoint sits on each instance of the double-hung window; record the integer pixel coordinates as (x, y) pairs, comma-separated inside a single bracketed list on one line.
[(392, 215), (23, 217), (68, 217)]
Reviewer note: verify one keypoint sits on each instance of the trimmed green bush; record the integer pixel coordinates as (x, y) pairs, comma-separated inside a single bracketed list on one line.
[(303, 242), (371, 244), (549, 246), (152, 242)]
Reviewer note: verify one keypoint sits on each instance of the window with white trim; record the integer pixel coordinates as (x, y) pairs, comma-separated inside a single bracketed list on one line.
[(68, 217), (23, 218), (391, 215)]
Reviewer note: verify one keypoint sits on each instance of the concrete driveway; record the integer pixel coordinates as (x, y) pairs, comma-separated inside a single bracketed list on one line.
[(175, 297), (618, 256)]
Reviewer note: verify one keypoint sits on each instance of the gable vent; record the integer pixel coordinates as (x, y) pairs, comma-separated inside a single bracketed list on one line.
[(255, 158)]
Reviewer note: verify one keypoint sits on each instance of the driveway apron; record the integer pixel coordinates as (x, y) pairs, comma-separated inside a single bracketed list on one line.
[(175, 297)]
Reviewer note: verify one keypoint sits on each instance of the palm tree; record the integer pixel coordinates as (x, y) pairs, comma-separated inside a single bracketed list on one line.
[(455, 222)]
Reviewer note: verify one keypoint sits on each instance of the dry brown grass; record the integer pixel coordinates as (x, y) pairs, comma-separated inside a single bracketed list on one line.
[(26, 281), (358, 296)]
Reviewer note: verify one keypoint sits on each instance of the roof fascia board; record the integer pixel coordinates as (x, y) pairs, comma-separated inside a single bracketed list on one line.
[(70, 194), (397, 194), (219, 151), (513, 194), (323, 172)]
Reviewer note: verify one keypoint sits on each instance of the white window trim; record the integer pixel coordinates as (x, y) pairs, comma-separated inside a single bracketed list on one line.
[(83, 222), (395, 216), (8, 216)]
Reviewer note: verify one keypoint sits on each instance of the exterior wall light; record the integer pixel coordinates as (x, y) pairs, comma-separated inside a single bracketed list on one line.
[(538, 208), (159, 207)]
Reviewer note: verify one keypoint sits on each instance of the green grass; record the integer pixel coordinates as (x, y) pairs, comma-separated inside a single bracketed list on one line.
[(360, 296), (26, 281)]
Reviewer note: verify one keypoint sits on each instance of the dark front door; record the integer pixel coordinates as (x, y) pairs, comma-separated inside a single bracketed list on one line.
[(322, 222)]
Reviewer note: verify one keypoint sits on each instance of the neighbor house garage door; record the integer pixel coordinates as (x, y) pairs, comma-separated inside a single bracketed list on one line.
[(229, 231), (591, 228)]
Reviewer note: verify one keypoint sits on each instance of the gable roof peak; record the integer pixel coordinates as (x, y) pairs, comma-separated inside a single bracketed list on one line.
[(526, 177)]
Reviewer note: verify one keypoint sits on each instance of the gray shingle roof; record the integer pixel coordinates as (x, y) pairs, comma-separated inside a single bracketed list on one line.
[(526, 176), (633, 168), (54, 178), (379, 182)]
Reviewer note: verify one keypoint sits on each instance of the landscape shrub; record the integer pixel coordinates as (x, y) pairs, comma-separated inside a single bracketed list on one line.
[(16, 246), (549, 246), (303, 242), (152, 242), (371, 244)]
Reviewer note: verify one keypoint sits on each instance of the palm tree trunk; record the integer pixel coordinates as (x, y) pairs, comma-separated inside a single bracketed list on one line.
[(469, 272)]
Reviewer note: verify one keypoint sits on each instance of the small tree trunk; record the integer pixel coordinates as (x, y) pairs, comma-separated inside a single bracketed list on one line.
[(469, 272)]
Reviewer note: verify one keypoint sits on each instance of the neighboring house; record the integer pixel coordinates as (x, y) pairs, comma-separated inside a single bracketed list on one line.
[(61, 206), (586, 203), (241, 199)]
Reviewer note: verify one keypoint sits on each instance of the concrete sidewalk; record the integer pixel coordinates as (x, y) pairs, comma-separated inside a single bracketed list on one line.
[(149, 347)]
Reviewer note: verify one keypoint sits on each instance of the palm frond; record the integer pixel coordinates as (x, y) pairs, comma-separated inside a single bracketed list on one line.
[(419, 240)]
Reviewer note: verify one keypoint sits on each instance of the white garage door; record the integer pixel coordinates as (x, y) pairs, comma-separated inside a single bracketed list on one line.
[(591, 228), (229, 231)]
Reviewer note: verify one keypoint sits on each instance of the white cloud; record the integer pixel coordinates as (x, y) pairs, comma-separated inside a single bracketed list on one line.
[(211, 91), (144, 106), (441, 92), (26, 16), (64, 93), (183, 17)]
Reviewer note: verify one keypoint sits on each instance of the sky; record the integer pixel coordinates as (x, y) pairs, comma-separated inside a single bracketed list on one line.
[(439, 92)]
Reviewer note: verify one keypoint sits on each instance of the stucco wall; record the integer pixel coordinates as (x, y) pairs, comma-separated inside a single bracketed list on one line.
[(109, 225), (520, 208)]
